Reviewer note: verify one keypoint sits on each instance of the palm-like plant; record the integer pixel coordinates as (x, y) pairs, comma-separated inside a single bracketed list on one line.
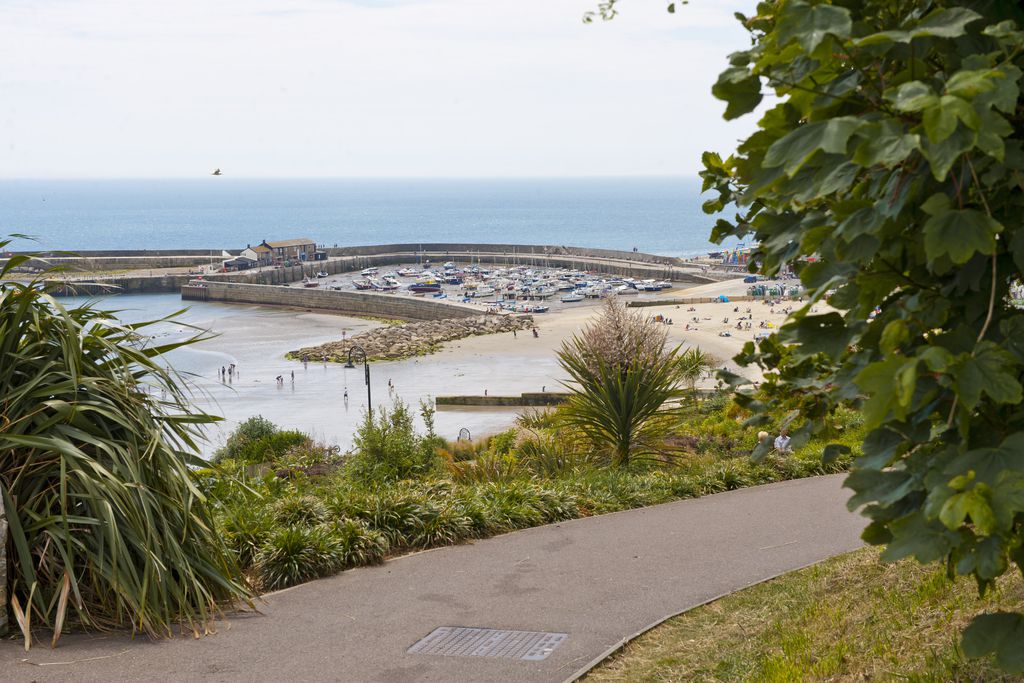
[(626, 382), (107, 527)]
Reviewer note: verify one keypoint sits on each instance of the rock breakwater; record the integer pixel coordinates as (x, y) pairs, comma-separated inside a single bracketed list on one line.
[(393, 342)]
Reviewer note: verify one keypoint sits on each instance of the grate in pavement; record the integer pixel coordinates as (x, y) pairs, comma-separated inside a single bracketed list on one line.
[(457, 641)]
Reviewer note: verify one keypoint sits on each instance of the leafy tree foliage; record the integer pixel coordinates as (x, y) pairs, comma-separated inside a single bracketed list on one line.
[(626, 383), (889, 168)]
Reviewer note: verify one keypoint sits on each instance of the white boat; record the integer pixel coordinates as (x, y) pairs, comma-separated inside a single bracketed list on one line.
[(572, 297), (368, 271), (322, 274), (625, 290), (483, 291)]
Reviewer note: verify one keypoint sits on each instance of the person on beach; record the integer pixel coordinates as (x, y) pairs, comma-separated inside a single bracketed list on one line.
[(293, 377), (305, 361), (345, 396), (535, 335)]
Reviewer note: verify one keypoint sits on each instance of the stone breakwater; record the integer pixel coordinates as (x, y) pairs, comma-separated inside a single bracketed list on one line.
[(393, 342)]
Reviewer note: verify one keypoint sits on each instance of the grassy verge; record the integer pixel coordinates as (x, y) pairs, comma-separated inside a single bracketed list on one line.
[(848, 619)]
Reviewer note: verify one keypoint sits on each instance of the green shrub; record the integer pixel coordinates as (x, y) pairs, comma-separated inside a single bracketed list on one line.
[(245, 529), (296, 554), (258, 440), (438, 524), (361, 545), (553, 453), (502, 443), (486, 467), (387, 447), (299, 510)]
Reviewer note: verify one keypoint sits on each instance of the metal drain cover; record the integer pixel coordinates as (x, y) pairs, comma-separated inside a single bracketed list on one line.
[(456, 641)]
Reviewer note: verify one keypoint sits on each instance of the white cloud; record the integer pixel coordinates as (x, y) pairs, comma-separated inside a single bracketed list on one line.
[(109, 88)]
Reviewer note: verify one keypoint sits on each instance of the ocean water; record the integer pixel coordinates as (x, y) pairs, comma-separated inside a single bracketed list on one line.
[(655, 215)]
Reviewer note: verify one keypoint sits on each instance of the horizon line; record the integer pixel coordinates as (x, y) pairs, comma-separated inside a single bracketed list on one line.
[(693, 176)]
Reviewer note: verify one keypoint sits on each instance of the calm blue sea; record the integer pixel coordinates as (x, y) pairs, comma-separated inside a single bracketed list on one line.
[(660, 215)]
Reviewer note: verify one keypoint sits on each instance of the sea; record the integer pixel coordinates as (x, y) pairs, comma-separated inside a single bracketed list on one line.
[(653, 215)]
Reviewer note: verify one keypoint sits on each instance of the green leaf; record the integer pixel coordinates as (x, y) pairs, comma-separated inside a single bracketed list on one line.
[(946, 23), (740, 89), (818, 334), (990, 464), (915, 536), (943, 155), (913, 96), (833, 451), (968, 83), (1001, 633), (810, 24), (989, 370), (941, 118), (795, 149), (886, 144), (1008, 498), (971, 503), (960, 234), (877, 382)]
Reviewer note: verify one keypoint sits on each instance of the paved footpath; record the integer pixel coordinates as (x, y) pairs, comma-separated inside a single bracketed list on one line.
[(599, 580)]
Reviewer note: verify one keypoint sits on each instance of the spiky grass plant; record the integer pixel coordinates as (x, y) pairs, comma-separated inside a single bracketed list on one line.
[(296, 554), (626, 382), (299, 510), (361, 545), (107, 527)]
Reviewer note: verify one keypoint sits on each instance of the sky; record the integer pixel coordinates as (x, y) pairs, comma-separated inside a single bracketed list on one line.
[(361, 88)]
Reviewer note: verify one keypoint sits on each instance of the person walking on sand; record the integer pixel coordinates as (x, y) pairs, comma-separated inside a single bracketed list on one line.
[(535, 335), (293, 377)]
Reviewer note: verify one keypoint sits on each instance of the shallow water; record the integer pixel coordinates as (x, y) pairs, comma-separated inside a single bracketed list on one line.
[(256, 340)]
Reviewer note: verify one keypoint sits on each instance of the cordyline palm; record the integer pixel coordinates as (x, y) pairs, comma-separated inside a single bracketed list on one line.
[(626, 383), (107, 528)]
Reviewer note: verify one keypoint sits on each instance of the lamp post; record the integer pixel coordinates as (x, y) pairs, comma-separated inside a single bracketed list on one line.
[(366, 368)]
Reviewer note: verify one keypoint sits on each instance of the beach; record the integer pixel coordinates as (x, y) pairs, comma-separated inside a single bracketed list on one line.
[(257, 338)]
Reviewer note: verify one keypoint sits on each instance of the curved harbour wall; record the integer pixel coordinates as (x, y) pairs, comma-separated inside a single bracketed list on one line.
[(343, 302), (348, 259)]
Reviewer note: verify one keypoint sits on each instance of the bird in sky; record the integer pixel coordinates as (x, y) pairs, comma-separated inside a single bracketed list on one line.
[(216, 171)]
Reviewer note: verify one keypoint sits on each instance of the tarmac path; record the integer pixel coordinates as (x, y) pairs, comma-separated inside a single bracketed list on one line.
[(600, 580)]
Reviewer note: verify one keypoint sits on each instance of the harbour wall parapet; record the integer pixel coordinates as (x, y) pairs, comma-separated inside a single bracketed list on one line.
[(342, 302), (343, 260), (549, 398)]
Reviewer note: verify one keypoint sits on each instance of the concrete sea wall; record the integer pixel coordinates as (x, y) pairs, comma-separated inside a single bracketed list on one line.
[(348, 259), (342, 302), (549, 398)]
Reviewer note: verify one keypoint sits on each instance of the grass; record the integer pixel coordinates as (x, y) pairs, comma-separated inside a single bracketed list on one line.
[(850, 618)]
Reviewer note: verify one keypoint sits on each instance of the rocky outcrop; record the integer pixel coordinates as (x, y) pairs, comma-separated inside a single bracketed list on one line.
[(393, 342)]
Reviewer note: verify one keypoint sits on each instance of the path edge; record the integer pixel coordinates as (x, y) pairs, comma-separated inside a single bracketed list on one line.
[(592, 664)]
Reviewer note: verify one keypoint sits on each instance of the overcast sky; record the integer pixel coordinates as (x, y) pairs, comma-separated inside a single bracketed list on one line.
[(349, 88)]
